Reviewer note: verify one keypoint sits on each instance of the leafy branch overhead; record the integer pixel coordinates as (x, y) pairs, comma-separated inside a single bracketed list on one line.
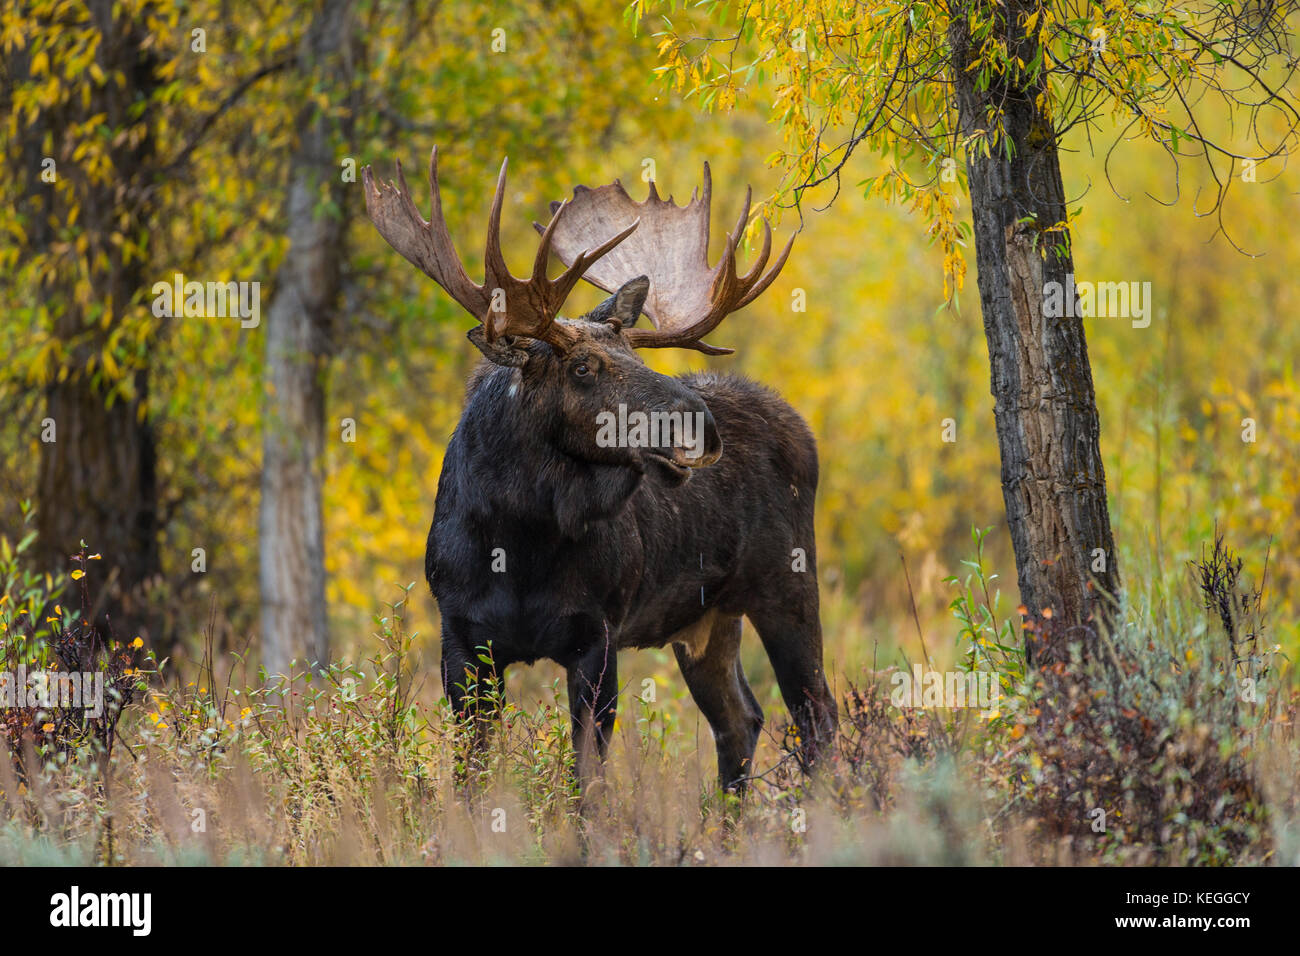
[(838, 77)]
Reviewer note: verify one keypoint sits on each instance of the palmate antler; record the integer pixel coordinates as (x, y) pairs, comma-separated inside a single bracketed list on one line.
[(687, 299), (530, 305)]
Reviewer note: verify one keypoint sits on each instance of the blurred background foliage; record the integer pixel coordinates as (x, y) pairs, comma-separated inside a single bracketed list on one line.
[(876, 362)]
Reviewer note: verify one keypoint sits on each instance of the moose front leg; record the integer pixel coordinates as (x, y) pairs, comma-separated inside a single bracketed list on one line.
[(474, 683), (593, 696)]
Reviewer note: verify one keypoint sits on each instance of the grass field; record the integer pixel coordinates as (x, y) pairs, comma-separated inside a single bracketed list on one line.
[(1173, 743)]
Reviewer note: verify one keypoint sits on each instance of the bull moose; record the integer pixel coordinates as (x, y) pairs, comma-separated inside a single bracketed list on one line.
[(549, 542)]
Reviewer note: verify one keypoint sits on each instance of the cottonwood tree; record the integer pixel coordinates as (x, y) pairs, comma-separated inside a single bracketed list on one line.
[(111, 115), (979, 94), (299, 342), (80, 87)]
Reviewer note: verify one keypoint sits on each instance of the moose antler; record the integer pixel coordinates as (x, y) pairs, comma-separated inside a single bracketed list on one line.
[(687, 299), (530, 305)]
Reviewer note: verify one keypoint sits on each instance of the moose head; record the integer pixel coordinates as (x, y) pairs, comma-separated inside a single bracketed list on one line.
[(585, 388)]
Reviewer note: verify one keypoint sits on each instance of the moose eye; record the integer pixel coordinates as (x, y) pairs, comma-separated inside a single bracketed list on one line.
[(581, 370)]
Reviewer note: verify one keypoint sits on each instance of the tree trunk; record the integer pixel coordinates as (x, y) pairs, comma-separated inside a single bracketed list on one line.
[(1045, 408), (96, 480), (97, 483), (298, 337)]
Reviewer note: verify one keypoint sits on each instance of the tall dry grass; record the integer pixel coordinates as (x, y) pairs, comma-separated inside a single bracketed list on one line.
[(362, 762)]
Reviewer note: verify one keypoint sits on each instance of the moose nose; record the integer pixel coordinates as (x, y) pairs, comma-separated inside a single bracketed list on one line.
[(703, 445), (712, 441)]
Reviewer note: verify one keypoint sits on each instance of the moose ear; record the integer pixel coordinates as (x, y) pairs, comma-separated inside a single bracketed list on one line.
[(624, 305), (506, 350)]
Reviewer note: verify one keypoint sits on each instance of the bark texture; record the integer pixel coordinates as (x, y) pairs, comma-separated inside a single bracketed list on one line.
[(1045, 407), (97, 480), (298, 347)]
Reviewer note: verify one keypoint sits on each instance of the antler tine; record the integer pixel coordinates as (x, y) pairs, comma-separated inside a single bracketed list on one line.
[(543, 257), (495, 271), (436, 219), (447, 268), (757, 268), (768, 279), (743, 221), (706, 198)]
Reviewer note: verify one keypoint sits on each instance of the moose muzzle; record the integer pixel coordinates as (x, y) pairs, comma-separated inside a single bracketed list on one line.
[(684, 438)]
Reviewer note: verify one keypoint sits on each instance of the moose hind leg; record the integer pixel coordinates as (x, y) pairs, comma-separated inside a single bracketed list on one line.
[(789, 626), (717, 683)]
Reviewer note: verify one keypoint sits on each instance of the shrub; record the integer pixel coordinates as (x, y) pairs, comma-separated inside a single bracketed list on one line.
[(1144, 748)]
